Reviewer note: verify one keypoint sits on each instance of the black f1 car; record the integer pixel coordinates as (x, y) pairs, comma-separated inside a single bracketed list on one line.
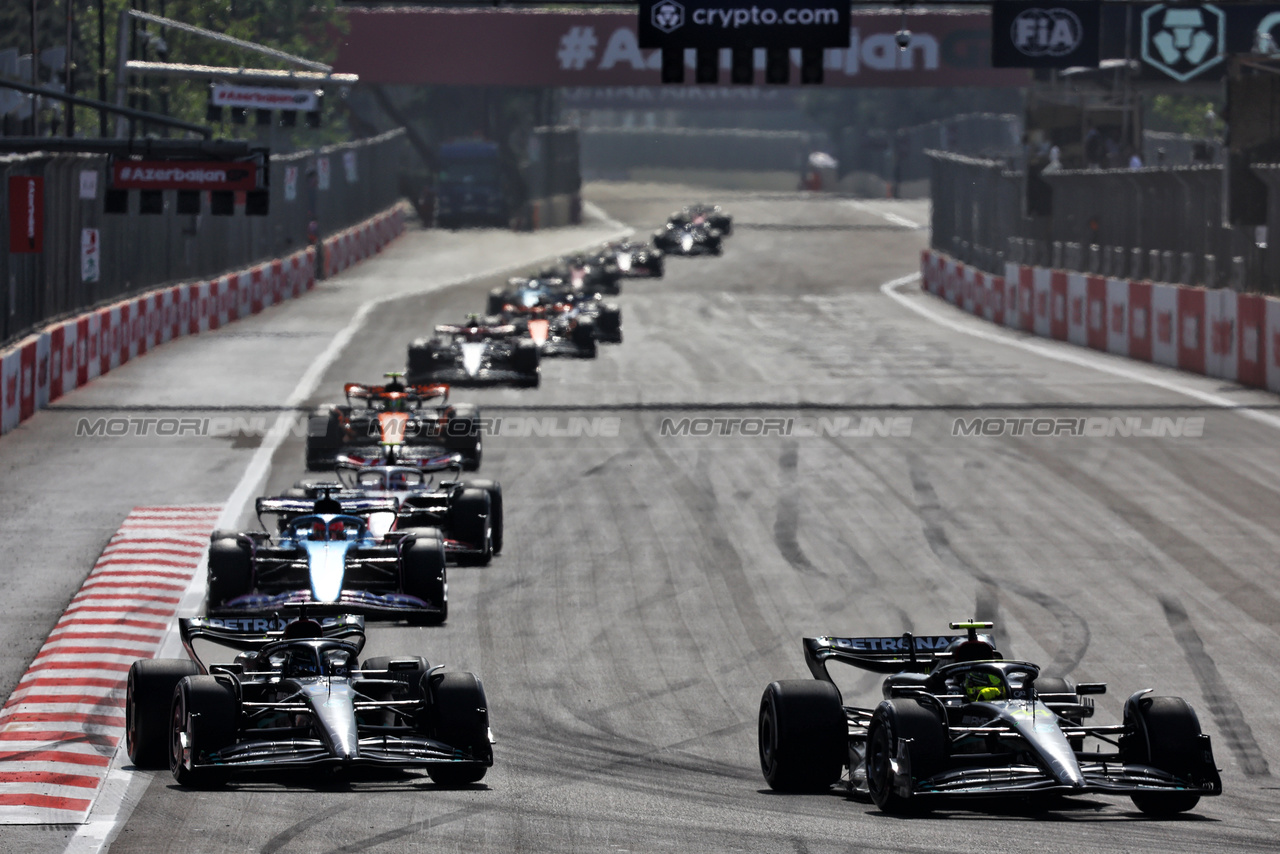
[(475, 353), (297, 698), (683, 238), (589, 273), (959, 721), (703, 214), (637, 260), (324, 555), (560, 319), (419, 416)]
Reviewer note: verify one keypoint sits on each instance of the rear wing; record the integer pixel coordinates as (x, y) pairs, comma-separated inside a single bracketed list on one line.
[(353, 504), (905, 653), (252, 633), (497, 330), (421, 393), (400, 457)]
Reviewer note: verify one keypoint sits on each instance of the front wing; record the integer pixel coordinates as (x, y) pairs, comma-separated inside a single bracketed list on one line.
[(386, 751), (390, 606)]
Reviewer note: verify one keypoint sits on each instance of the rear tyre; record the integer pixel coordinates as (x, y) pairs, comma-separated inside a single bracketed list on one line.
[(803, 735), (494, 488), (526, 359), (423, 575), (204, 710), (609, 323), (421, 361), (1166, 736), (584, 338), (463, 435), (324, 439), (892, 722), (496, 302), (460, 719), (230, 572), (148, 697), (469, 516)]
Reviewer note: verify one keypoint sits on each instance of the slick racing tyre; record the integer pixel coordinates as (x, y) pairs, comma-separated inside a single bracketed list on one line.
[(609, 323), (469, 516), (463, 435), (803, 735), (230, 571), (496, 302), (584, 338), (421, 361), (202, 721), (423, 574), (324, 437), (460, 718), (1166, 735), (494, 488), (526, 359), (893, 722), (148, 696)]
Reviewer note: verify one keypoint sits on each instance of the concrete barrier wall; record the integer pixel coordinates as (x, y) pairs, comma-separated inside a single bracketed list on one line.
[(73, 352), (1217, 333)]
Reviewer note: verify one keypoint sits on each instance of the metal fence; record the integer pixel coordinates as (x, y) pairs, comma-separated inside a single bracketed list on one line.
[(335, 187), (1163, 224)]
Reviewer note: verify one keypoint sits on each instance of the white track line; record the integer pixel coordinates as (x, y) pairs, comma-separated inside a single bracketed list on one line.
[(1062, 352), (118, 797), (892, 217)]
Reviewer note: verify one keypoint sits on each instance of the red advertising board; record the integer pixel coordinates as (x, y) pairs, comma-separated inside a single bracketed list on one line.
[(527, 47), (183, 175), (26, 213)]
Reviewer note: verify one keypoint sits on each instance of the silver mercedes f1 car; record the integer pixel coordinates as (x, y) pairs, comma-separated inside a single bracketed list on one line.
[(960, 721), (297, 697)]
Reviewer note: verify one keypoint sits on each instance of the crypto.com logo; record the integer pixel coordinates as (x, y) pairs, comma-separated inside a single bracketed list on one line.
[(668, 16), (1183, 42)]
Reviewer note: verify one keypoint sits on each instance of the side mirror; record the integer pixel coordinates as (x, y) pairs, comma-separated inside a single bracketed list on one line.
[(1091, 688)]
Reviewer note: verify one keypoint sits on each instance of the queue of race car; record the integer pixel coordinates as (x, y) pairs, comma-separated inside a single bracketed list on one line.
[(374, 541), (560, 311)]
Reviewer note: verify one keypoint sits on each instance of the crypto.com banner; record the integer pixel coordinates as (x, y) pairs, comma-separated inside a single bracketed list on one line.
[(457, 47), (731, 23)]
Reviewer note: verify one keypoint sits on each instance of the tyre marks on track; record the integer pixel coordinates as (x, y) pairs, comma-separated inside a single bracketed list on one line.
[(64, 721), (1226, 712), (1073, 630), (787, 523)]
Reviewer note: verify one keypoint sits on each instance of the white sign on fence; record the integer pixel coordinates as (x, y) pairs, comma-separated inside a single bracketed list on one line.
[(290, 183), (90, 255), (264, 98), (349, 164), (88, 184), (322, 173)]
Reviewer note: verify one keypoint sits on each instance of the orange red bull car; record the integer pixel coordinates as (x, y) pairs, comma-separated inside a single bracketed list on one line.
[(395, 413)]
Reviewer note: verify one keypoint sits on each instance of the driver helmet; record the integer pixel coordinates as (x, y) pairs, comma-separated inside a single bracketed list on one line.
[(302, 663), (983, 686), (396, 403), (399, 480), (473, 320)]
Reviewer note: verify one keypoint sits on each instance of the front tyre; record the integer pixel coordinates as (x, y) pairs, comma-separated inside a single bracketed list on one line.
[(460, 719), (803, 735), (203, 721), (894, 722), (1166, 736)]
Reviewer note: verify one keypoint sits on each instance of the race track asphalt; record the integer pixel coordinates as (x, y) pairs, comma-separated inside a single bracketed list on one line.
[(652, 584)]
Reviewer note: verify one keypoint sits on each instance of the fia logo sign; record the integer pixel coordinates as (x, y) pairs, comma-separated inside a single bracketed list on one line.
[(1183, 41), (1047, 32)]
